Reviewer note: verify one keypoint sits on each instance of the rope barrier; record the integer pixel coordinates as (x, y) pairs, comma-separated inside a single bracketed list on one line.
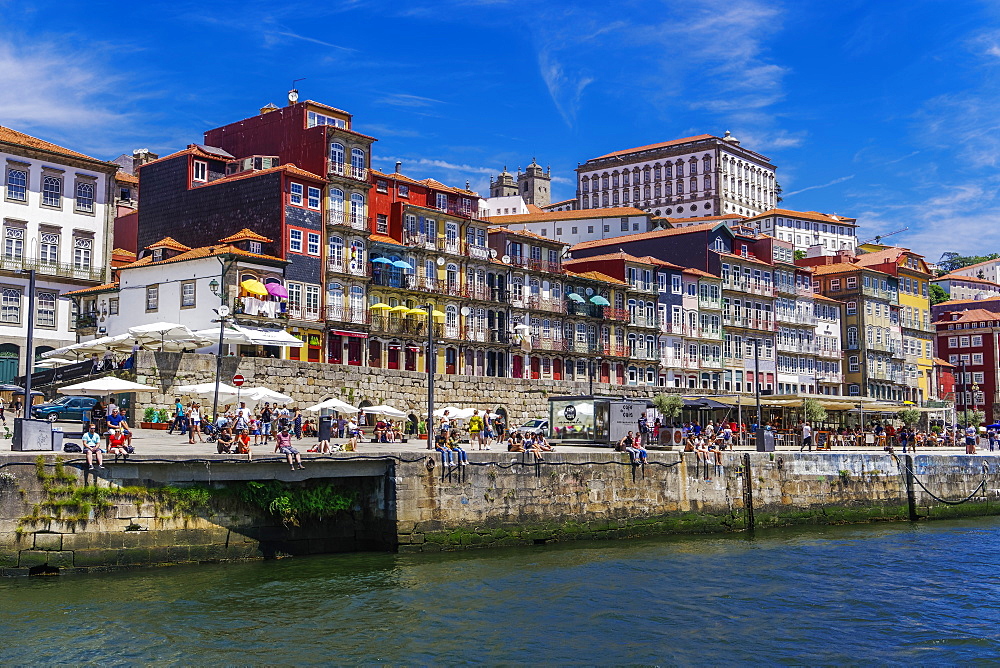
[(934, 496)]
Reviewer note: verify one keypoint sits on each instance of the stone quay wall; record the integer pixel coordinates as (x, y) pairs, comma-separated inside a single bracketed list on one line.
[(52, 518), (309, 383)]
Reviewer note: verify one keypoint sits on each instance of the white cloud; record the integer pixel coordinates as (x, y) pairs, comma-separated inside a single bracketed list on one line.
[(404, 100), (817, 187)]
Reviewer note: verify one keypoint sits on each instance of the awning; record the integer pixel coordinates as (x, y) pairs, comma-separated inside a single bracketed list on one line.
[(268, 337), (277, 289), (255, 287), (339, 332)]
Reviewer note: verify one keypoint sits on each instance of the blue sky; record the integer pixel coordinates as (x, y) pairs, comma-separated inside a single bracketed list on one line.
[(886, 111)]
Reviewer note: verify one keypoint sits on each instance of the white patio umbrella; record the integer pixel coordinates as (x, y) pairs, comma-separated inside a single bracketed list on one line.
[(387, 411), (452, 411), (334, 405), (104, 386), (160, 332), (206, 388), (259, 394), (53, 362)]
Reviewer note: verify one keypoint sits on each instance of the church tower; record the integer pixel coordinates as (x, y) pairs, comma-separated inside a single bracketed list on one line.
[(503, 185), (534, 185)]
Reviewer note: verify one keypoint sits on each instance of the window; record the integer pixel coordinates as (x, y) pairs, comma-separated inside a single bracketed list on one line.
[(17, 185), (82, 253), (590, 229), (381, 223), (314, 198), (357, 211), (441, 201), (382, 186), (337, 158), (977, 358), (113, 306), (152, 297), (573, 230), (312, 300), (336, 206), (852, 308), (294, 296), (312, 243), (254, 247), (404, 190), (977, 340), (200, 171), (295, 241), (358, 163), (10, 305), (85, 197), (46, 313), (296, 194), (313, 119), (52, 191), (187, 294), (13, 248)]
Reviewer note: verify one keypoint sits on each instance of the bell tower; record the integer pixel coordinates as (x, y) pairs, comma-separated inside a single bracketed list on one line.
[(503, 185), (534, 186)]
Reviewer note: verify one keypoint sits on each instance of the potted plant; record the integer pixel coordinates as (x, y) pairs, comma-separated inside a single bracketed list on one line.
[(153, 419)]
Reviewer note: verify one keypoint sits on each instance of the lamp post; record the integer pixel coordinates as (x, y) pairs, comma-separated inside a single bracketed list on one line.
[(219, 289), (430, 363), (30, 344)]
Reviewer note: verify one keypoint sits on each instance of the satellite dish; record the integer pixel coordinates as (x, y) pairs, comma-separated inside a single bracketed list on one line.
[(493, 253), (466, 310), (505, 259), (440, 261), (589, 291)]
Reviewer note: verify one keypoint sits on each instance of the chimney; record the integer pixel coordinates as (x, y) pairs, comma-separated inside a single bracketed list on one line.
[(141, 156), (268, 108), (845, 255), (399, 164)]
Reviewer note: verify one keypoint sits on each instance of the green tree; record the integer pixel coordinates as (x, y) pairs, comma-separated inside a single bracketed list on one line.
[(669, 406), (778, 192), (950, 261), (938, 294), (974, 418), (909, 417), (814, 411), (799, 254)]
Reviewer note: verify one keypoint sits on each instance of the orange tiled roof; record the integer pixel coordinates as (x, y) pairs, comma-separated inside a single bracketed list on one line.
[(807, 215), (125, 177), (171, 243), (620, 255), (959, 277), (643, 236), (565, 201), (579, 214), (246, 234), (192, 149), (289, 169), (649, 147), (11, 136), (817, 295), (437, 185), (383, 239), (107, 287), (842, 267), (121, 252), (596, 276), (203, 252), (699, 272), (742, 258), (972, 315), (728, 216), (526, 233)]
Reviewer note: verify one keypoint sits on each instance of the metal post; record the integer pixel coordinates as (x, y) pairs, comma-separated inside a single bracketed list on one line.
[(756, 378), (590, 367), (222, 335), (430, 363), (30, 343)]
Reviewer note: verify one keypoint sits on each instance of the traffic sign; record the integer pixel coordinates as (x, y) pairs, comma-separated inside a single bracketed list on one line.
[(238, 380)]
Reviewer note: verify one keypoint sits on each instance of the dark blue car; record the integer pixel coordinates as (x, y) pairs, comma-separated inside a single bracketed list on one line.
[(64, 408)]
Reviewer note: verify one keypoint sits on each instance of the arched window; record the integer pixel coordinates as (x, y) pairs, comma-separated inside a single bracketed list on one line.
[(586, 201), (668, 189), (17, 185), (604, 200), (335, 300), (358, 164), (337, 158), (358, 258), (451, 273), (336, 253), (10, 305), (451, 320), (357, 303), (51, 191), (85, 197), (635, 193), (336, 206), (358, 211), (680, 188)]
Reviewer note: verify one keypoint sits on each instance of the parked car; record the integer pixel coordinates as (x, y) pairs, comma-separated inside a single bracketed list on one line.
[(63, 408), (537, 426)]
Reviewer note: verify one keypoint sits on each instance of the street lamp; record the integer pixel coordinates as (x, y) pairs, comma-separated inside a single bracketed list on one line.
[(223, 312), (430, 363)]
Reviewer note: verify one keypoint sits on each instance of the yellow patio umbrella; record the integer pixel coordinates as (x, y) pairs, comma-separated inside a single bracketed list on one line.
[(437, 314), (255, 287), (415, 311), (399, 309), (379, 307)]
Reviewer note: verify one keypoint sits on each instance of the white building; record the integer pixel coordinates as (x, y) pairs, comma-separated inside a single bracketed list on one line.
[(57, 215), (695, 176), (508, 205), (959, 286), (824, 232), (173, 283), (829, 351), (988, 270), (572, 227)]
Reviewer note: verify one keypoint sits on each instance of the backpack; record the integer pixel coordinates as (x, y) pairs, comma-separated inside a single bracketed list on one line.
[(72, 447)]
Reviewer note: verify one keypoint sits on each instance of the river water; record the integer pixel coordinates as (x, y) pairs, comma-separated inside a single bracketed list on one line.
[(867, 594)]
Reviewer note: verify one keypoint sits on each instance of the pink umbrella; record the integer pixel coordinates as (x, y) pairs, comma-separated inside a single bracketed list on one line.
[(276, 290)]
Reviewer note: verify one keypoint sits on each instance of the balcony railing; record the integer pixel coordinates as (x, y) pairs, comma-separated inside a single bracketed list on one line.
[(61, 269), (710, 303), (354, 316), (548, 305), (86, 320), (351, 268), (343, 169), (357, 221)]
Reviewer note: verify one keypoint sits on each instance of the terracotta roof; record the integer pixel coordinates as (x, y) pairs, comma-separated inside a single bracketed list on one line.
[(107, 287), (396, 176), (959, 277), (121, 252), (528, 234), (534, 208), (325, 106), (437, 185), (192, 149), (246, 234), (649, 147), (940, 362), (10, 136), (743, 258), (728, 216), (426, 183), (171, 243), (807, 215), (643, 236), (596, 276), (824, 298), (289, 169), (203, 252), (955, 302), (699, 272), (125, 177), (978, 264), (972, 315), (842, 267), (383, 239), (580, 214), (620, 255)]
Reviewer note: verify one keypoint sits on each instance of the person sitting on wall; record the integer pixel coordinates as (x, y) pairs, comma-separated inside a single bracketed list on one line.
[(117, 421), (543, 443), (515, 442), (531, 445), (447, 456), (243, 444), (456, 447), (92, 446), (117, 445), (224, 442), (283, 444), (637, 452)]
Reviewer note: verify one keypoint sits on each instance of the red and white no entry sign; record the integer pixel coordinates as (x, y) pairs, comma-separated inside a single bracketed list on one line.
[(238, 380)]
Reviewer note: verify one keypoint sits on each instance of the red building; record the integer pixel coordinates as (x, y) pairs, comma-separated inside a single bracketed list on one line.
[(968, 340)]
